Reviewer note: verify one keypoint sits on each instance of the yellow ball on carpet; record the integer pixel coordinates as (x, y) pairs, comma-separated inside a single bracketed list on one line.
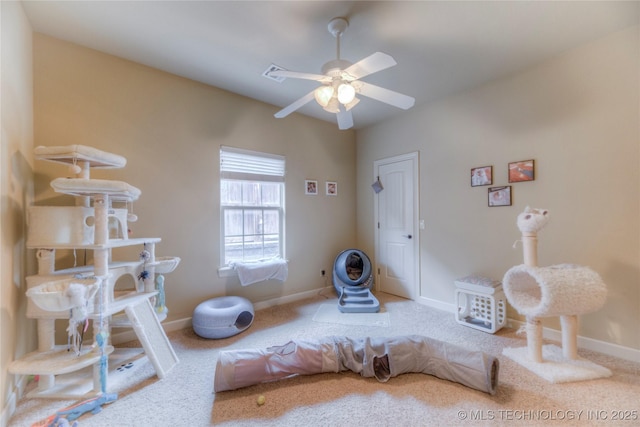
[(261, 400)]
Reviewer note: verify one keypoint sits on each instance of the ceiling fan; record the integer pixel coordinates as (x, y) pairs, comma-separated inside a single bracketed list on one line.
[(341, 82)]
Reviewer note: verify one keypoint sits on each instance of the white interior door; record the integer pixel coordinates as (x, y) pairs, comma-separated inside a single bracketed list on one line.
[(397, 241)]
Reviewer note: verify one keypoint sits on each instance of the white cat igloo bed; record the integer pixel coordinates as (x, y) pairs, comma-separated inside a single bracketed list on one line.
[(554, 291)]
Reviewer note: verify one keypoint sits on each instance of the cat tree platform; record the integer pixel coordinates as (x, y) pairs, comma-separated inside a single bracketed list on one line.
[(88, 292)]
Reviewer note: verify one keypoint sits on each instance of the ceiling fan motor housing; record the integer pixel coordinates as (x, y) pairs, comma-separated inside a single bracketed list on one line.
[(337, 26), (334, 68)]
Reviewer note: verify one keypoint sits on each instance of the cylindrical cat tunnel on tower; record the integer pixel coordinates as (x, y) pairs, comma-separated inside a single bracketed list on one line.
[(563, 290), (557, 290)]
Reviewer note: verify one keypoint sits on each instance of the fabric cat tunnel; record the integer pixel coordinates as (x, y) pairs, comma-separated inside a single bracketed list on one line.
[(379, 357)]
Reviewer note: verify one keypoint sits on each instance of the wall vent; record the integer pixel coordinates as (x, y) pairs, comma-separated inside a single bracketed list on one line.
[(274, 67)]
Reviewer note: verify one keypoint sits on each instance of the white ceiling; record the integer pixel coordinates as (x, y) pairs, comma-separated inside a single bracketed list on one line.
[(442, 47)]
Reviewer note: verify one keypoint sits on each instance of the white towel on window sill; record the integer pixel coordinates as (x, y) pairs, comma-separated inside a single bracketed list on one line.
[(254, 272)]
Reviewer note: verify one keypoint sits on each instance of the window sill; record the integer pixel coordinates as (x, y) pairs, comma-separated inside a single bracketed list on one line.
[(226, 272)]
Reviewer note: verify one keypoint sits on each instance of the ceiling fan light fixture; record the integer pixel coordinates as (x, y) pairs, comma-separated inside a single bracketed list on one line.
[(352, 104), (333, 106), (341, 81), (346, 93), (323, 95)]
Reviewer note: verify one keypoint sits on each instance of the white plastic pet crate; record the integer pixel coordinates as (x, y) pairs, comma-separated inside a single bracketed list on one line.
[(481, 303)]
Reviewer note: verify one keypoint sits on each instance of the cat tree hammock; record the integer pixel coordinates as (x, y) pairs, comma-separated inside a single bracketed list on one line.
[(564, 291), (88, 292)]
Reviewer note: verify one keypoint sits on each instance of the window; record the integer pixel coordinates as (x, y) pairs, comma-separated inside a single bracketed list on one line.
[(251, 205)]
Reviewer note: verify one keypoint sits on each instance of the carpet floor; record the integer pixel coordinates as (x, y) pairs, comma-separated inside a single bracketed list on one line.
[(185, 396)]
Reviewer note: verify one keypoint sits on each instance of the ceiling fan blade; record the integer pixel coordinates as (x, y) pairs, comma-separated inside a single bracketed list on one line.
[(298, 75), (385, 95), (371, 64), (345, 118), (295, 105)]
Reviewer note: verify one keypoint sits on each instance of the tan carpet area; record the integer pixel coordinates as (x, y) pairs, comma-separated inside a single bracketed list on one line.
[(185, 397)]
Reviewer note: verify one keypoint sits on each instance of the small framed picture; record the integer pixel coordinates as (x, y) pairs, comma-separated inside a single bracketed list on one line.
[(332, 188), (311, 187), (482, 176), (522, 171), (500, 196)]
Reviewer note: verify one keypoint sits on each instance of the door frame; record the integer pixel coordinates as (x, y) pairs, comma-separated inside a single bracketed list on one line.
[(414, 156)]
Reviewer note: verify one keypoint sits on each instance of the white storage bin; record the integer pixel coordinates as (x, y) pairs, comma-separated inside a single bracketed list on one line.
[(481, 303)]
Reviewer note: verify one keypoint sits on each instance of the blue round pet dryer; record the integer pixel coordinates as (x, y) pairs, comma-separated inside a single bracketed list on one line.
[(353, 281)]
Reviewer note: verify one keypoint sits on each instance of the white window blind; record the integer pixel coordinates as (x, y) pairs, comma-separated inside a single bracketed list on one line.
[(236, 163)]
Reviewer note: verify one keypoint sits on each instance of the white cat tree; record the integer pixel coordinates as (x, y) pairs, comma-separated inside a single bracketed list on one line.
[(88, 292), (564, 291)]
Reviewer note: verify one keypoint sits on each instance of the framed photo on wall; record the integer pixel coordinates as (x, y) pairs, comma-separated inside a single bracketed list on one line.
[(499, 196), (522, 171), (311, 187), (482, 175), (332, 188)]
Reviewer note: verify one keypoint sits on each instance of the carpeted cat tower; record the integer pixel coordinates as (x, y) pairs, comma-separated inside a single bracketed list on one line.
[(561, 290)]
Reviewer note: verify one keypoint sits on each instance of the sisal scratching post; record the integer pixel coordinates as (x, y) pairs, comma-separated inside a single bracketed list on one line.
[(534, 339), (569, 325), (534, 325), (530, 248)]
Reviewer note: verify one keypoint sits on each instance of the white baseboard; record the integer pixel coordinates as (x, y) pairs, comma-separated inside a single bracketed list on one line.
[(130, 335), (184, 323), (290, 298), (586, 343), (10, 405), (451, 308)]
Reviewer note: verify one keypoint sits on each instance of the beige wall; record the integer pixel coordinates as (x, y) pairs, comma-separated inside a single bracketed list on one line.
[(170, 130), (577, 116), (16, 175)]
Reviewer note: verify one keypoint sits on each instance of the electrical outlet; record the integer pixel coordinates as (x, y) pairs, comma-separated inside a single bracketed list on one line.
[(322, 273)]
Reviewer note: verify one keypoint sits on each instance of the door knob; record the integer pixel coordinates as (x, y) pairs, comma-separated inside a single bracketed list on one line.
[(408, 236)]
